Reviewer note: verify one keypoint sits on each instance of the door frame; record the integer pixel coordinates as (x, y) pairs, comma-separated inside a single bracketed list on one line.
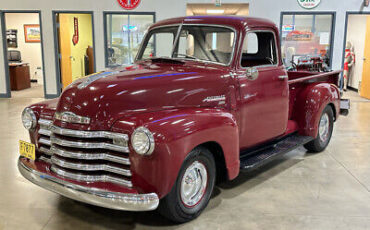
[(348, 13), (334, 15), (8, 93), (105, 13), (56, 42)]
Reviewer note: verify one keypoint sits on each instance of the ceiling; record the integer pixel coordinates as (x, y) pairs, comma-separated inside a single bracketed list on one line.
[(229, 9)]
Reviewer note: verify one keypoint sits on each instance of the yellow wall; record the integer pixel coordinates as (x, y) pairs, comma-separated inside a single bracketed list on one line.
[(77, 51), (365, 83)]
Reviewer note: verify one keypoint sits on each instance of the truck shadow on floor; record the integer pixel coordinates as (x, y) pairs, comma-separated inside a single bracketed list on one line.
[(74, 212)]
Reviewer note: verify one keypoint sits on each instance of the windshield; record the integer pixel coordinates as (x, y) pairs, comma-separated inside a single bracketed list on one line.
[(201, 43)]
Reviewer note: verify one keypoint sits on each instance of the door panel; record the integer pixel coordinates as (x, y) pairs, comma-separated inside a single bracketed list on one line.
[(75, 37), (365, 82), (65, 50), (264, 105)]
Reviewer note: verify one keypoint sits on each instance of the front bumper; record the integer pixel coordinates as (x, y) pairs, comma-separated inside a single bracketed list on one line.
[(94, 196)]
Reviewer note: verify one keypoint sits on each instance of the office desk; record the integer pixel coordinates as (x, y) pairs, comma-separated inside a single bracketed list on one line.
[(19, 76)]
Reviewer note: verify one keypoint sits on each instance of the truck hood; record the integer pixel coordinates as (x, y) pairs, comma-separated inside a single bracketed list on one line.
[(146, 87)]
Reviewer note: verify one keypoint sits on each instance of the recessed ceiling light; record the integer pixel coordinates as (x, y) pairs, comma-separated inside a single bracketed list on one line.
[(215, 11)]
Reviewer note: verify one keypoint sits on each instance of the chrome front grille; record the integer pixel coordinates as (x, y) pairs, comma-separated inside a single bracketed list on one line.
[(88, 156)]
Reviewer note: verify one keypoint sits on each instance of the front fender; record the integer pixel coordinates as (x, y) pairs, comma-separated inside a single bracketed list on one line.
[(311, 102), (176, 133)]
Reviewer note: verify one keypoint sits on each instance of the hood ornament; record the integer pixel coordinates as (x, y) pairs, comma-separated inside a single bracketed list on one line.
[(71, 118), (93, 77)]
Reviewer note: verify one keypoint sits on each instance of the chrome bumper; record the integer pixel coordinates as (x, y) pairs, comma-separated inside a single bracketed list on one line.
[(94, 196)]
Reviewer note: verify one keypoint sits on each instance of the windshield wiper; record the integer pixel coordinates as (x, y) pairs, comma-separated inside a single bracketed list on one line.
[(165, 59), (187, 56)]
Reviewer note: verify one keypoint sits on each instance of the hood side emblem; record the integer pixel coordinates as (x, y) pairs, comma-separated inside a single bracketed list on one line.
[(91, 78), (71, 118), (214, 98)]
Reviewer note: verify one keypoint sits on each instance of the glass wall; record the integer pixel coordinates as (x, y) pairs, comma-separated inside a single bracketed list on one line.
[(124, 33), (306, 36)]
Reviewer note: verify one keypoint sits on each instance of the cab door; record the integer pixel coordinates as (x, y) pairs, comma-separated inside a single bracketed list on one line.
[(263, 88)]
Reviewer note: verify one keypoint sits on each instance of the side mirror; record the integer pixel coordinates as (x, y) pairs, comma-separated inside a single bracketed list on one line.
[(252, 73)]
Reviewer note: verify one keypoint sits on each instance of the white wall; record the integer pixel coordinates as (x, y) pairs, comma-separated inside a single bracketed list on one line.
[(164, 9), (31, 52), (356, 34), (161, 8)]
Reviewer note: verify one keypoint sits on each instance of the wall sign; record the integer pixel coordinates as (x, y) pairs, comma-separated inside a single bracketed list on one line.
[(129, 4), (75, 36), (309, 4)]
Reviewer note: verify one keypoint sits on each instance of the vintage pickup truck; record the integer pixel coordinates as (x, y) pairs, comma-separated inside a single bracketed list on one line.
[(206, 98)]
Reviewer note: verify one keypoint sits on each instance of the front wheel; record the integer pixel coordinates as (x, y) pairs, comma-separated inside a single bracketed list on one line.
[(325, 131), (192, 189)]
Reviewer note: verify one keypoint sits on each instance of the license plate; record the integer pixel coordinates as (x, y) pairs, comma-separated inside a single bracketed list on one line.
[(27, 150)]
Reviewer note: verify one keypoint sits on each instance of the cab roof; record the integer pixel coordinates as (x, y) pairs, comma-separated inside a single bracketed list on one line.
[(237, 22)]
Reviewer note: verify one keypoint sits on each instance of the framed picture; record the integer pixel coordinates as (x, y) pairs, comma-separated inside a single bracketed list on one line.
[(32, 33)]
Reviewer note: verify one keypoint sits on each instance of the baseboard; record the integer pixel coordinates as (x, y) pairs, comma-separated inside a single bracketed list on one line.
[(353, 89), (51, 96), (4, 95)]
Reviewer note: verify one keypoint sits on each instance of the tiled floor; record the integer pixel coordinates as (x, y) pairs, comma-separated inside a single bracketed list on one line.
[(330, 190)]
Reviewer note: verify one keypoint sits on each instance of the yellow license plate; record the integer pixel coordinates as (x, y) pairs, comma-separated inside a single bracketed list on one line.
[(27, 150)]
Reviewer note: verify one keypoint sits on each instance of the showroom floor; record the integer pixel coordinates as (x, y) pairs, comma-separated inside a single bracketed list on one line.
[(36, 90), (330, 190)]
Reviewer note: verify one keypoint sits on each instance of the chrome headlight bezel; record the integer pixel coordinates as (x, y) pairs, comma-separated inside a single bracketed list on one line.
[(32, 119), (150, 144)]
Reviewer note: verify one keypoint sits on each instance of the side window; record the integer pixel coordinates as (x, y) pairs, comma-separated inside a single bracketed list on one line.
[(259, 48)]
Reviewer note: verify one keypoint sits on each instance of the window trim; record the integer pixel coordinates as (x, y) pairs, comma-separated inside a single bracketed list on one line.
[(232, 55), (276, 49), (105, 14), (333, 24)]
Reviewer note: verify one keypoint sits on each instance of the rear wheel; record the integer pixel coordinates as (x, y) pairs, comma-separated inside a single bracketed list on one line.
[(325, 131), (192, 189)]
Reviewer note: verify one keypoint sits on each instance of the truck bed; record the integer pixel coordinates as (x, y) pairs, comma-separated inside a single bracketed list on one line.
[(305, 76), (299, 80)]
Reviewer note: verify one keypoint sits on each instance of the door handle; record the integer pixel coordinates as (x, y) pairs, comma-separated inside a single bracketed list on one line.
[(252, 73), (283, 77)]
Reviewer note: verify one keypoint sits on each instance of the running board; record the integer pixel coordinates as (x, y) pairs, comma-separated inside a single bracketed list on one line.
[(265, 155)]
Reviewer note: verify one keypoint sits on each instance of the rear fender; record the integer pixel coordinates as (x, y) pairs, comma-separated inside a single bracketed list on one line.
[(176, 133), (311, 102)]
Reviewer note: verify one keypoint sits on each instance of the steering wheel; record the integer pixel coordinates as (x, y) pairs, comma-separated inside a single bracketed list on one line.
[(294, 65), (270, 60)]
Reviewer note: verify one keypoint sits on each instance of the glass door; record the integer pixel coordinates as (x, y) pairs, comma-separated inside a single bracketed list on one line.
[(124, 35)]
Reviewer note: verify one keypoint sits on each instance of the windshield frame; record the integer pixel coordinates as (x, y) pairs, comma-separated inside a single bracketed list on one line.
[(146, 38)]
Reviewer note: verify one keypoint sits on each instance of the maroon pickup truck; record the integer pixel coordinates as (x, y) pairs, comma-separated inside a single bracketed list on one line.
[(207, 98)]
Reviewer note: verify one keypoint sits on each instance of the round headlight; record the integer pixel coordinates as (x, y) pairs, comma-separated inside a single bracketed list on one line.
[(142, 141), (29, 119)]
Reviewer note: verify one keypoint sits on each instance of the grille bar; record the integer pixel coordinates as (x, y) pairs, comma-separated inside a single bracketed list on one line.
[(45, 132), (47, 151), (89, 156), (89, 167), (90, 178), (45, 141), (88, 145), (88, 134), (45, 123)]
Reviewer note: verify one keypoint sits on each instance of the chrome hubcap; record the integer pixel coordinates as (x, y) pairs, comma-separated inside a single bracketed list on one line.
[(194, 184), (324, 127)]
